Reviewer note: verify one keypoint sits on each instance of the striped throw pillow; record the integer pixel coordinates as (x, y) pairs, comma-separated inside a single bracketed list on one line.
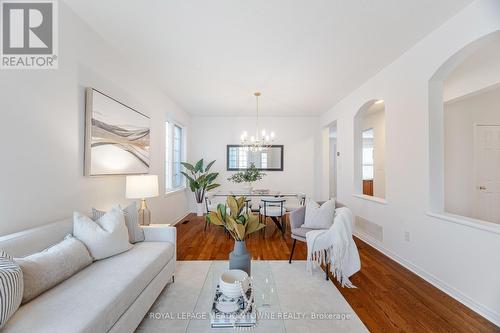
[(135, 233), (11, 287)]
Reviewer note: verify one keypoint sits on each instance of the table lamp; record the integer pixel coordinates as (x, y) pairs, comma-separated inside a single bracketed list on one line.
[(142, 187)]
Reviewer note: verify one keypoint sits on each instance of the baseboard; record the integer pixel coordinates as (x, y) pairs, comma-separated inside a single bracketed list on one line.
[(452, 292), (181, 218)]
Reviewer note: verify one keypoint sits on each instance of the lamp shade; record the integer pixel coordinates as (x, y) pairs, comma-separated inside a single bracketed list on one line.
[(140, 187)]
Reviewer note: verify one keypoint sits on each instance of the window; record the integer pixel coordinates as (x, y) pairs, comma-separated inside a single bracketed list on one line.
[(175, 154), (177, 158), (233, 160), (368, 154), (242, 159), (263, 160)]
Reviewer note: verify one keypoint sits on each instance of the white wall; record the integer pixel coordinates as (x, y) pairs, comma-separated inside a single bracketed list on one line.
[(458, 257), (376, 121), (479, 71), (42, 135), (460, 118), (333, 167), (210, 135)]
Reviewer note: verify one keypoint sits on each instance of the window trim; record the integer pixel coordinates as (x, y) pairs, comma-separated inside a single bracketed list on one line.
[(358, 152), (378, 200), (436, 144), (169, 156), (466, 221)]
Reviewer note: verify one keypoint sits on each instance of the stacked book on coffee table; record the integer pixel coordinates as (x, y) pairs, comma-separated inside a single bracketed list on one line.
[(226, 312)]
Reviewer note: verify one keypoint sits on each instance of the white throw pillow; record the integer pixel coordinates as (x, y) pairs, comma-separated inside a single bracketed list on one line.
[(46, 269), (131, 215), (105, 237), (319, 217)]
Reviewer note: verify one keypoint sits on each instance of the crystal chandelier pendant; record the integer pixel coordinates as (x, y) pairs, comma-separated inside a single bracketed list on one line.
[(261, 141)]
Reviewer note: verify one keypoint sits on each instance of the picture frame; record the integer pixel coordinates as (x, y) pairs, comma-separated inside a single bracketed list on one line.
[(117, 137)]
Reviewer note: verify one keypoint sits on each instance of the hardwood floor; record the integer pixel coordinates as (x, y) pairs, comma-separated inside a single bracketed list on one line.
[(388, 297)]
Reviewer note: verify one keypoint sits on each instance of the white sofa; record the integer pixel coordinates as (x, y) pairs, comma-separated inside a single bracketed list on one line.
[(111, 295)]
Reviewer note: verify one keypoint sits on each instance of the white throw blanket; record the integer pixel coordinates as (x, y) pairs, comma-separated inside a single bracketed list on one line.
[(342, 253)]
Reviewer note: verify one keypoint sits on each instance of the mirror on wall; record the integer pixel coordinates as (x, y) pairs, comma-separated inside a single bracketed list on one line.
[(370, 149), (240, 157)]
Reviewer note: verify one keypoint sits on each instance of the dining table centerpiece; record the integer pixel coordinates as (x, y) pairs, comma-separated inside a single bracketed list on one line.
[(248, 176), (240, 222)]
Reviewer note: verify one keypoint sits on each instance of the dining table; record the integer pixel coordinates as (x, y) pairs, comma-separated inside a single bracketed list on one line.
[(263, 194)]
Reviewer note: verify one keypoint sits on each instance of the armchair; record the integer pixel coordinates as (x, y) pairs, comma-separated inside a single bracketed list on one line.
[(297, 219)]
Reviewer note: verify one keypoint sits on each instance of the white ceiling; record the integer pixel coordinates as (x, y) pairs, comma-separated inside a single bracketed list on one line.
[(304, 55)]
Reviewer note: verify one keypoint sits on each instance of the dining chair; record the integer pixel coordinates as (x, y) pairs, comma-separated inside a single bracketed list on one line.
[(211, 203), (273, 207), (296, 202)]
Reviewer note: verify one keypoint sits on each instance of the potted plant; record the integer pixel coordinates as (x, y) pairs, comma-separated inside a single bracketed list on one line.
[(248, 176), (240, 223), (200, 181)]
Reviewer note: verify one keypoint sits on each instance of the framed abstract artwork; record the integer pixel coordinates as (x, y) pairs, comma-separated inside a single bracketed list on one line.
[(117, 137)]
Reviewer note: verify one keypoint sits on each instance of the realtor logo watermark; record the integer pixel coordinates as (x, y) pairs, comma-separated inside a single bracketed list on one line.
[(29, 38)]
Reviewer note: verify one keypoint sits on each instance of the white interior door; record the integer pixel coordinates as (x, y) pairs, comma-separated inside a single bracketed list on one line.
[(487, 169)]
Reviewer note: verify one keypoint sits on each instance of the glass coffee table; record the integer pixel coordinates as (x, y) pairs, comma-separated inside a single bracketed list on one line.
[(269, 317)]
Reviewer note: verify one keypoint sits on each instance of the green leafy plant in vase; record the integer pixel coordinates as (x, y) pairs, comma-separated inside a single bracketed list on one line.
[(248, 176), (239, 222), (200, 181)]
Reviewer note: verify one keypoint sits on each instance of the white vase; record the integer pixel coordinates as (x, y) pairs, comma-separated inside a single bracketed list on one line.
[(200, 208), (248, 187)]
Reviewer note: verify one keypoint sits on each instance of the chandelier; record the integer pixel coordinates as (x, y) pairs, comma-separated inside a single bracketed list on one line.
[(261, 140)]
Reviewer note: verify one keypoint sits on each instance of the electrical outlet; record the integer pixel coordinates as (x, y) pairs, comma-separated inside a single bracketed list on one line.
[(407, 236)]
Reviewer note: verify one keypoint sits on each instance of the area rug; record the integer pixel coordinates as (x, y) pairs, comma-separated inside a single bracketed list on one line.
[(319, 306)]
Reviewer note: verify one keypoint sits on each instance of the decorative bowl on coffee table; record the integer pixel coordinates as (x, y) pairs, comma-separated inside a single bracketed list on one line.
[(230, 281)]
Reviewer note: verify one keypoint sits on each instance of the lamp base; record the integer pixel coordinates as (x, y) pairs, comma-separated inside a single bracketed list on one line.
[(144, 214)]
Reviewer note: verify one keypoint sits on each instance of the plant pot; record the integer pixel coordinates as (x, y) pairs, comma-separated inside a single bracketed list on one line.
[(200, 209), (239, 258), (248, 187)]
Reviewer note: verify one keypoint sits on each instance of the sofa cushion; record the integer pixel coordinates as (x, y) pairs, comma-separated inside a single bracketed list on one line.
[(300, 232), (48, 268), (11, 287), (131, 215), (105, 237), (95, 298), (319, 216)]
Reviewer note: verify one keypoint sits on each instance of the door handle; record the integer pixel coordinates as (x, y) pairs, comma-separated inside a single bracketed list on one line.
[(482, 188)]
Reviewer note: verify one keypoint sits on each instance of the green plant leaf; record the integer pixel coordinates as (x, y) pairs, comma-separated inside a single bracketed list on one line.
[(233, 206), (199, 166), (209, 166), (253, 224), (241, 201), (210, 177), (214, 218), (189, 178), (238, 228), (188, 166), (241, 219), (201, 180), (221, 211), (212, 186)]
